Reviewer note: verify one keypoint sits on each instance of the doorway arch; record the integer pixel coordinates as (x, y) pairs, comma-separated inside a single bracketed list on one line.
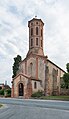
[(21, 89)]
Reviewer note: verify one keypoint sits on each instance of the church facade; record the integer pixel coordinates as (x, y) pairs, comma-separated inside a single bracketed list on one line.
[(36, 71)]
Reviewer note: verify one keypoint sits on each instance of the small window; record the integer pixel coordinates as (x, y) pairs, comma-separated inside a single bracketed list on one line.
[(31, 31), (57, 72), (31, 42), (41, 43), (36, 30), (31, 65), (31, 23), (36, 41), (36, 22), (35, 86), (41, 32), (20, 77)]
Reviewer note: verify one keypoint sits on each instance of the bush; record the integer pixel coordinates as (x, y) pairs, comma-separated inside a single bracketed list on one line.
[(8, 92), (2, 92), (5, 92), (37, 94), (63, 85)]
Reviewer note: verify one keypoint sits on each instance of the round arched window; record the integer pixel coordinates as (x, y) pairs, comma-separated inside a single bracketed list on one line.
[(35, 85)]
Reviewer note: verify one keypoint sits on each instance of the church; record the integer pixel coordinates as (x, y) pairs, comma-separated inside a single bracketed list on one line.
[(36, 72)]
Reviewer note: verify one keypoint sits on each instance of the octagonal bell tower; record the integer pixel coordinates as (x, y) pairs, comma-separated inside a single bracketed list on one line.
[(35, 36)]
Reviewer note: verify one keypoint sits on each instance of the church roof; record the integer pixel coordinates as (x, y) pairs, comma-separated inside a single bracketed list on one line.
[(22, 75), (35, 19), (55, 65), (26, 76)]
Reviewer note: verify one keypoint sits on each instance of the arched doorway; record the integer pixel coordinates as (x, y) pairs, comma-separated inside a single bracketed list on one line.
[(21, 89)]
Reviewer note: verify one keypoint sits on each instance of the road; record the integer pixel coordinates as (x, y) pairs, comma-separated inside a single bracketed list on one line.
[(33, 109)]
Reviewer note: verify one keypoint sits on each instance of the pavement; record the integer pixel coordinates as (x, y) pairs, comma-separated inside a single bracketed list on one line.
[(33, 109)]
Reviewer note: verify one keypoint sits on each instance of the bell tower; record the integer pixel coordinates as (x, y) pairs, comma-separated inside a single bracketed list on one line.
[(35, 36)]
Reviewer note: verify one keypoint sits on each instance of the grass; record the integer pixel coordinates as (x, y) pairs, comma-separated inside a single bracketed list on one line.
[(0, 105), (64, 98)]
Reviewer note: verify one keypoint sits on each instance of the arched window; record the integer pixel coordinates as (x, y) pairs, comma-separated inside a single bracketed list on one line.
[(36, 30), (31, 65), (31, 23), (31, 31), (35, 85), (20, 77), (36, 22), (31, 42), (36, 41)]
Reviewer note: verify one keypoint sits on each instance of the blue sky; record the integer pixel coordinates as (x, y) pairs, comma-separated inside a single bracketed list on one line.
[(14, 17)]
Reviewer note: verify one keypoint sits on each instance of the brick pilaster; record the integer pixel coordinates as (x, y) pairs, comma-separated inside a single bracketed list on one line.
[(36, 67)]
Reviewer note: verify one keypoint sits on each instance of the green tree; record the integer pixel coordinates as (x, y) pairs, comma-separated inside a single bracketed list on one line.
[(15, 67), (66, 77), (66, 80), (2, 91), (67, 67)]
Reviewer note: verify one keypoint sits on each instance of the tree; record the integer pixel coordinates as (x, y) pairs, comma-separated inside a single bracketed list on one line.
[(15, 67), (67, 67), (66, 77), (66, 80)]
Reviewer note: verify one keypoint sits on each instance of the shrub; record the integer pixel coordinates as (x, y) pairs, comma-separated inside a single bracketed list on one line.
[(63, 85), (2, 92), (37, 94), (5, 92), (8, 92)]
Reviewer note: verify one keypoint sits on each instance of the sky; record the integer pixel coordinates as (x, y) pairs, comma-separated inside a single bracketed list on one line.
[(14, 36)]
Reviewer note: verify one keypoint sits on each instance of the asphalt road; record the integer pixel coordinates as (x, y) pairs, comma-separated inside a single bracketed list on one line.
[(33, 109)]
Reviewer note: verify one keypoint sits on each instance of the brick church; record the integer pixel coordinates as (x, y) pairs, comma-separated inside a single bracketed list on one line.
[(36, 71)]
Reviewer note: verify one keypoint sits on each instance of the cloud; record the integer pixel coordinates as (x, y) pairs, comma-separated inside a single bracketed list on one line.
[(14, 37)]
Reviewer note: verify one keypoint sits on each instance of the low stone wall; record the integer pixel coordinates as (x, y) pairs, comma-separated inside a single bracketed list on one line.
[(64, 91)]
